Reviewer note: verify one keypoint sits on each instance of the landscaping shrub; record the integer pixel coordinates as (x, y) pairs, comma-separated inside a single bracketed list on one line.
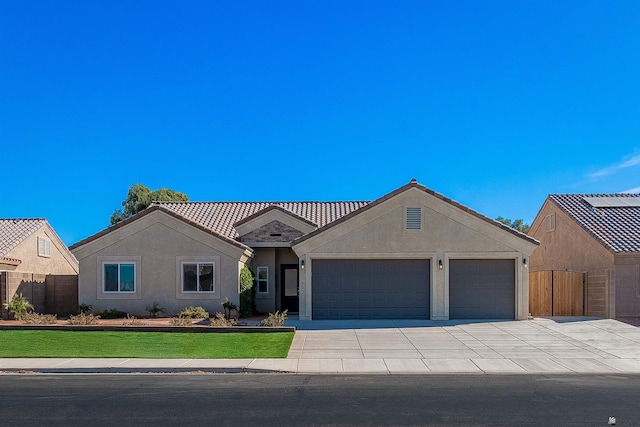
[(113, 314), (84, 319), (194, 313), (132, 321), (19, 306), (181, 321), (276, 319), (82, 308), (155, 309), (39, 319), (221, 320), (247, 293)]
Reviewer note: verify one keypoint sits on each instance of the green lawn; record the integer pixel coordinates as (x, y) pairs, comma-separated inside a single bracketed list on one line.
[(156, 345)]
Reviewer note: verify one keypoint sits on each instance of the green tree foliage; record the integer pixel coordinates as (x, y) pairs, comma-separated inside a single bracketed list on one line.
[(516, 224), (247, 293), (140, 197)]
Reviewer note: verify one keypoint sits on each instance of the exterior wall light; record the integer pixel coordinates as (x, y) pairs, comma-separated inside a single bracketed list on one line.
[(440, 266), (524, 262), (302, 264)]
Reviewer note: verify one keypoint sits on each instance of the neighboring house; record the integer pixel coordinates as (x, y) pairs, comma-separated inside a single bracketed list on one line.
[(35, 262), (412, 253), (595, 234)]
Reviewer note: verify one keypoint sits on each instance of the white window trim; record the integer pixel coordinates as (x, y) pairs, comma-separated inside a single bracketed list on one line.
[(265, 280), (200, 295), (198, 264), (44, 247), (119, 263), (101, 294)]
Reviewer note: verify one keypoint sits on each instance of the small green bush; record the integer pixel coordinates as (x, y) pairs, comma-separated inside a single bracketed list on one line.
[(39, 319), (84, 319), (82, 308), (221, 320), (276, 319), (181, 321), (155, 309), (194, 313), (19, 306), (113, 313)]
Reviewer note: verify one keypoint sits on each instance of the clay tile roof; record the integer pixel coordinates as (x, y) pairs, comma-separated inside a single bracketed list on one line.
[(14, 231), (615, 227), (221, 217)]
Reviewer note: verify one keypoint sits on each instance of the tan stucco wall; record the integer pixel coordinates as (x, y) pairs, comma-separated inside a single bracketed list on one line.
[(273, 258), (568, 247), (447, 233), (265, 257), (158, 243), (627, 290), (60, 262)]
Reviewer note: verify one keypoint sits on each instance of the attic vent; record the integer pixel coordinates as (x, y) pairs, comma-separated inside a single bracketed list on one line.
[(413, 218)]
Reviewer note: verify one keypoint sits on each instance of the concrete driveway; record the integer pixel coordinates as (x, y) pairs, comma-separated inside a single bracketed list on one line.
[(539, 346), (542, 345)]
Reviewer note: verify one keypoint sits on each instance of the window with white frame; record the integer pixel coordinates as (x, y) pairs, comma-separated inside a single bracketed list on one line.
[(263, 280), (119, 277), (198, 277), (44, 247)]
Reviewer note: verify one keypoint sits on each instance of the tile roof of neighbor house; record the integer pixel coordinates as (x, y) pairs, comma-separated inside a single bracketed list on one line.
[(615, 227), (14, 231)]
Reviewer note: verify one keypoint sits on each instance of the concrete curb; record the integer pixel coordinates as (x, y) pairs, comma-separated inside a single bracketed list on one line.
[(123, 328)]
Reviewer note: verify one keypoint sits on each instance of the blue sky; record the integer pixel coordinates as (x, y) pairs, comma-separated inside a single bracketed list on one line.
[(492, 103)]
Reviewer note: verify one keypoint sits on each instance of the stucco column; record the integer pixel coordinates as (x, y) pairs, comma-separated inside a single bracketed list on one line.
[(439, 289)]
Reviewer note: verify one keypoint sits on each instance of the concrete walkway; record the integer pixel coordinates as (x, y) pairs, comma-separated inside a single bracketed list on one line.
[(539, 346)]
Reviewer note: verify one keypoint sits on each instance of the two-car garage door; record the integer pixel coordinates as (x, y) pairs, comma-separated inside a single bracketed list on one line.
[(400, 289), (371, 289)]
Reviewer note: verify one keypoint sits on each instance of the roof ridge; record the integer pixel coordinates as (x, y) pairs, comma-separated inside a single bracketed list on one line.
[(264, 201)]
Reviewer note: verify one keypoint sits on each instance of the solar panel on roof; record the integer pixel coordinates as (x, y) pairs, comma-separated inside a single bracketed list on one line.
[(613, 201)]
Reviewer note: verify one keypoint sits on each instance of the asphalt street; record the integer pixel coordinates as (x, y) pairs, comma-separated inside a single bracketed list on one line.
[(306, 400)]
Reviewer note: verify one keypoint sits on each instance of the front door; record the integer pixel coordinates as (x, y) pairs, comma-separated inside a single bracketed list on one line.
[(289, 287)]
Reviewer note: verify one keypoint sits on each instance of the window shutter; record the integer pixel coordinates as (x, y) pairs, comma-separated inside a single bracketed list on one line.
[(550, 222), (44, 247), (413, 219)]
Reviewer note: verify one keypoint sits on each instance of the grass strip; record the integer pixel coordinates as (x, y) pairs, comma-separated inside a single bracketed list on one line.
[(152, 345)]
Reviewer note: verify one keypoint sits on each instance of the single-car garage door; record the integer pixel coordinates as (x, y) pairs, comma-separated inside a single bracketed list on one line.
[(370, 289), (482, 289)]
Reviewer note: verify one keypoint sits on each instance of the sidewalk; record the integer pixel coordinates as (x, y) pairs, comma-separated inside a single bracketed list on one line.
[(539, 346)]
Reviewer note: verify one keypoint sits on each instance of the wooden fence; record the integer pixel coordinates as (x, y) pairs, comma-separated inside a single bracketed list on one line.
[(556, 293)]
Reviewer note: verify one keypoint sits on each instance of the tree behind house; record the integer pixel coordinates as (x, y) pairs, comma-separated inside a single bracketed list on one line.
[(516, 224), (140, 197)]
